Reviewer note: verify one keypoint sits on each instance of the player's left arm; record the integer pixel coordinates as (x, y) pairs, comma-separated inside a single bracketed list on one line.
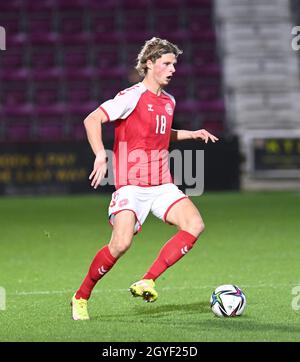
[(200, 134)]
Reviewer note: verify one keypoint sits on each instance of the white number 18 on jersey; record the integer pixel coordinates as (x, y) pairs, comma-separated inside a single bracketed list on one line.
[(161, 122)]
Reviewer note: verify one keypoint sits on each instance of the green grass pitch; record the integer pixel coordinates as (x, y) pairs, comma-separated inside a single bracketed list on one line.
[(251, 239)]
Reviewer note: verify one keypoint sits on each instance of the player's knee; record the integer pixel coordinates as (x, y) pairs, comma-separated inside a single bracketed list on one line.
[(119, 245), (194, 226), (198, 226), (118, 249)]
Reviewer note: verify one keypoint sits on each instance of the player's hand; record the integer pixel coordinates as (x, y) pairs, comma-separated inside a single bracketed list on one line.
[(204, 135), (100, 168)]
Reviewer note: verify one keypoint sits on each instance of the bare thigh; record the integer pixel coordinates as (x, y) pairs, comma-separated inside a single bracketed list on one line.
[(185, 215)]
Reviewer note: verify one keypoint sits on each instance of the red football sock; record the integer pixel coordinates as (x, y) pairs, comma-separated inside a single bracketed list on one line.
[(101, 264), (170, 253)]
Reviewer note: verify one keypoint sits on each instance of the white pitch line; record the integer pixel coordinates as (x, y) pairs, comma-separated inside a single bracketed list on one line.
[(50, 292)]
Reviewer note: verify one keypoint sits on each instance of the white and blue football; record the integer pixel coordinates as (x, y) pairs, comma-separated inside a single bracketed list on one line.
[(228, 301)]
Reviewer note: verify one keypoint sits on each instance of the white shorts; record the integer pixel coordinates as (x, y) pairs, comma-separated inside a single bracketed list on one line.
[(142, 200)]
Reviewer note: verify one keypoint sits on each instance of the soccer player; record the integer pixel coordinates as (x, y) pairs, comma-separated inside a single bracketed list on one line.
[(143, 130)]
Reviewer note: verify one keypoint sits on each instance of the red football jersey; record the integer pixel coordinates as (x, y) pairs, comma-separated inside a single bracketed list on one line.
[(142, 136)]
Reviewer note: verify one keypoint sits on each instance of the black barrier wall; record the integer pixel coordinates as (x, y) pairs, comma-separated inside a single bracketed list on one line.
[(39, 168)]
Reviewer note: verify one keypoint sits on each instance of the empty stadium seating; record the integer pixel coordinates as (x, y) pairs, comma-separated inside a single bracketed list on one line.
[(65, 57)]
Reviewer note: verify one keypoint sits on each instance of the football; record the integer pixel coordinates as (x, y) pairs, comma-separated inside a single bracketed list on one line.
[(228, 301)]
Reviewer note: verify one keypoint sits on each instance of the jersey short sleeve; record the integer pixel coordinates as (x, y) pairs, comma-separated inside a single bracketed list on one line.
[(124, 102)]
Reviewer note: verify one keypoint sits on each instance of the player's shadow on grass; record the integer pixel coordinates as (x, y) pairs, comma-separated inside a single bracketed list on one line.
[(157, 310), (197, 307), (211, 322)]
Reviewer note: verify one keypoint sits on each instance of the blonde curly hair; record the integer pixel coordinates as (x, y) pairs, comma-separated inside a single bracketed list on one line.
[(152, 50)]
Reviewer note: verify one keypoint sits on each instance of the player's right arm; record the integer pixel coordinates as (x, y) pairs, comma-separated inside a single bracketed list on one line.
[(114, 109), (93, 126)]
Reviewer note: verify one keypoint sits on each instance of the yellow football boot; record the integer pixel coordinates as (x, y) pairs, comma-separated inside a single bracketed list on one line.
[(79, 309), (145, 289)]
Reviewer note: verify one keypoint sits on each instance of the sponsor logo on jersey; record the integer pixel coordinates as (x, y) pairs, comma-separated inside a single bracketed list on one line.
[(169, 109), (150, 108)]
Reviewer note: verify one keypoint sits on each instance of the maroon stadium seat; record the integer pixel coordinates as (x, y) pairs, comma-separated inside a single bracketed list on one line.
[(50, 130), (40, 22), (18, 130), (33, 6)]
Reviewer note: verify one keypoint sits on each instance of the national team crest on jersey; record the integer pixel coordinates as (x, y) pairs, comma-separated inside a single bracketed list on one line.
[(169, 109)]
